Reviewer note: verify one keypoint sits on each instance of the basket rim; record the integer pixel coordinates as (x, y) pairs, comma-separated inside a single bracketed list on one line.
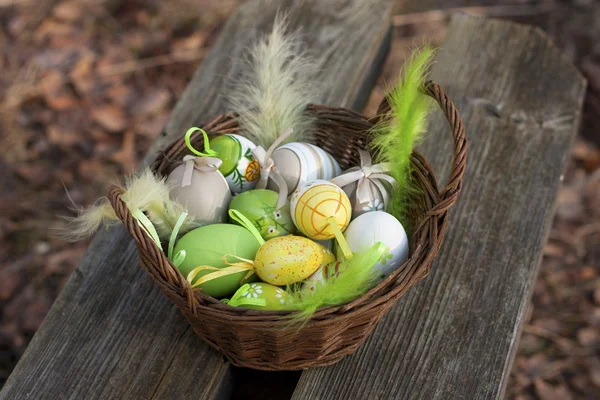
[(383, 292)]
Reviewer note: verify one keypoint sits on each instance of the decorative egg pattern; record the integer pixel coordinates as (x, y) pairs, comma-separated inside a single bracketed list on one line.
[(275, 297), (313, 203), (288, 259), (375, 200), (299, 163), (240, 168), (323, 273), (259, 206)]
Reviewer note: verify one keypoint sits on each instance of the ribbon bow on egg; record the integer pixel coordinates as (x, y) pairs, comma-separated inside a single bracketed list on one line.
[(269, 170), (364, 174), (241, 265), (204, 164)]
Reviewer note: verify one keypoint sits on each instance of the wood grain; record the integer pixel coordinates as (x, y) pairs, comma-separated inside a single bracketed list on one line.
[(454, 335), (111, 333)]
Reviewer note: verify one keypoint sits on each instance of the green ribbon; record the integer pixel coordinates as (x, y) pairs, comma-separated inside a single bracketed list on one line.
[(375, 253), (238, 300), (147, 226), (179, 257), (188, 143), (246, 223), (174, 234), (340, 238)]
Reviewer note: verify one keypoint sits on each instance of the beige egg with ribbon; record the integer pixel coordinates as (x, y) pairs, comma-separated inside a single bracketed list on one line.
[(198, 185), (298, 163), (368, 186)]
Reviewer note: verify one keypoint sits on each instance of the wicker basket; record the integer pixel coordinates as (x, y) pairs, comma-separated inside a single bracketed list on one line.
[(259, 339)]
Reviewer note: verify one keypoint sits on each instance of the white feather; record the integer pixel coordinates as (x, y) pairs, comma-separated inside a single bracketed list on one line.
[(279, 82)]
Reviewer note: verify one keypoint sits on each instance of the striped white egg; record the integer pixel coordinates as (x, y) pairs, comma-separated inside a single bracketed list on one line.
[(299, 163)]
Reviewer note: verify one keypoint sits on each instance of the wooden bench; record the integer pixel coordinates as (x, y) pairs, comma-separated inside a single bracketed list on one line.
[(112, 334)]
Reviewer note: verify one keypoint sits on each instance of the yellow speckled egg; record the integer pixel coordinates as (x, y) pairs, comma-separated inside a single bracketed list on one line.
[(328, 256), (288, 259), (313, 203)]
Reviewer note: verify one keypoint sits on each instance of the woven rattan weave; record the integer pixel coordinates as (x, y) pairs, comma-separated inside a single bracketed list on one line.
[(264, 340)]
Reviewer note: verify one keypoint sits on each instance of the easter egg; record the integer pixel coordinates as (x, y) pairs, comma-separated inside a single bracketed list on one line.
[(321, 275), (374, 199), (379, 226), (313, 203), (207, 245), (239, 167), (275, 298), (298, 163), (287, 259), (259, 206), (206, 198)]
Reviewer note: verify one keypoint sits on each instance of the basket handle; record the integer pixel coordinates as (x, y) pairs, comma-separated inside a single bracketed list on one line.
[(449, 194)]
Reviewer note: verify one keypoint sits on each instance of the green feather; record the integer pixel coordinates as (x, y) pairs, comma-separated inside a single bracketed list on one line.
[(355, 277), (393, 139)]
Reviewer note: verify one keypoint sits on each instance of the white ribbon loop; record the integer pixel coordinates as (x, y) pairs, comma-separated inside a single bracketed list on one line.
[(269, 170), (367, 172), (204, 164)]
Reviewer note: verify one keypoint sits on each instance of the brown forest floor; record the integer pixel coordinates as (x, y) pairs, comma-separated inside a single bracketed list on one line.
[(86, 85)]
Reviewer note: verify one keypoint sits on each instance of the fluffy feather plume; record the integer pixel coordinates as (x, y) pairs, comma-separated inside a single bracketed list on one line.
[(164, 216), (354, 279), (145, 192), (278, 84), (394, 138)]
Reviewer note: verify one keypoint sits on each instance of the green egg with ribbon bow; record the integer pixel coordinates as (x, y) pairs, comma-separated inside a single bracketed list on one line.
[(260, 207), (215, 258)]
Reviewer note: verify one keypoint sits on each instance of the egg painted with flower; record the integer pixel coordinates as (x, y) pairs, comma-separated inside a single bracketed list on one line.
[(314, 203), (288, 259), (240, 169), (368, 186), (373, 199), (259, 296), (379, 226), (260, 207)]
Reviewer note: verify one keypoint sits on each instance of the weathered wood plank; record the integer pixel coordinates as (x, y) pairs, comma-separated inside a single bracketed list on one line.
[(454, 335), (111, 333)]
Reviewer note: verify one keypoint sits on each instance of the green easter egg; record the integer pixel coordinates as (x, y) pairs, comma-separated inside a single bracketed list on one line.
[(258, 206), (229, 150), (207, 245), (274, 298)]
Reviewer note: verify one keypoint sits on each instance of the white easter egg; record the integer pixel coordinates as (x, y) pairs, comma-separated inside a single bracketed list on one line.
[(374, 199), (379, 226), (299, 163)]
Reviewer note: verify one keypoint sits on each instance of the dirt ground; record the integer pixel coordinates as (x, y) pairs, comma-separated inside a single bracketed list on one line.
[(87, 85)]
